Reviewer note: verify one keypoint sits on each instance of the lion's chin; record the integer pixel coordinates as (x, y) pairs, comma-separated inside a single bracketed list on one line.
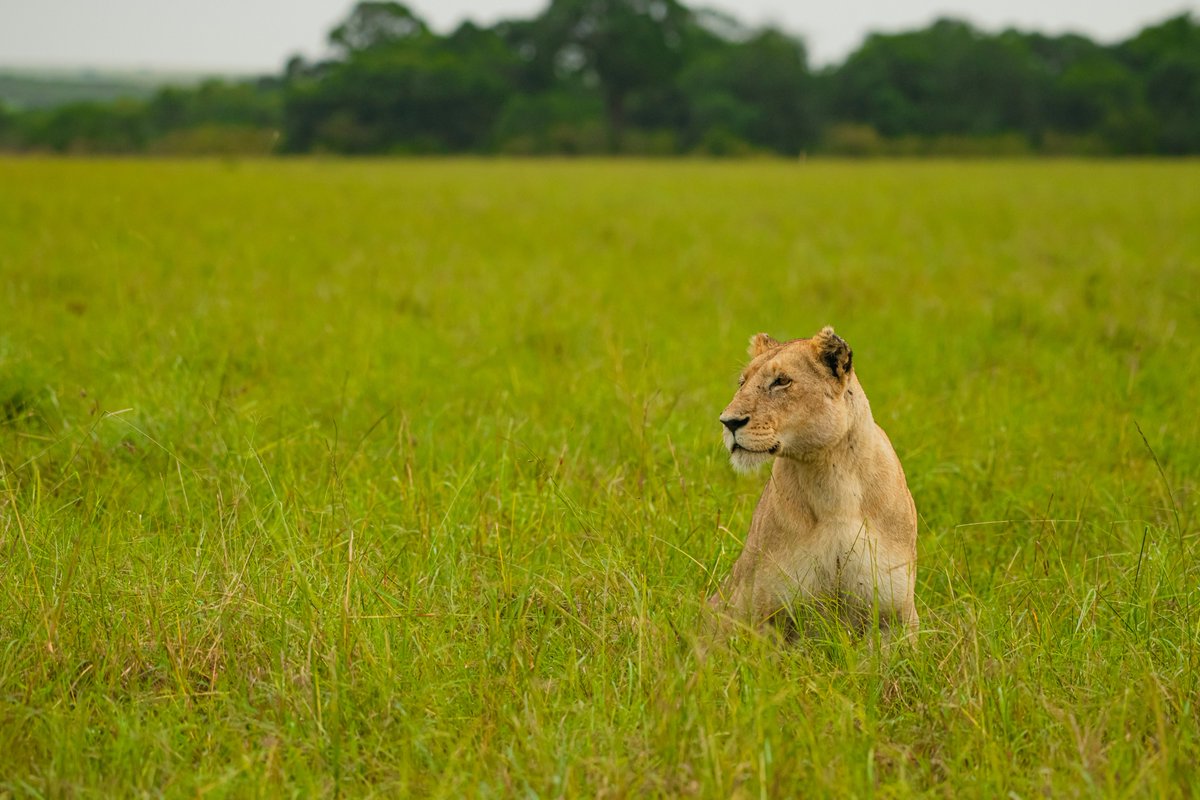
[(745, 461)]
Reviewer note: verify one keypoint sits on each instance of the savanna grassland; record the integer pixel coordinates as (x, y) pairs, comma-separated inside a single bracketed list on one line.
[(387, 478)]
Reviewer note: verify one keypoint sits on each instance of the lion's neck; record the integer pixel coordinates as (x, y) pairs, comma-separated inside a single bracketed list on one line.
[(825, 479)]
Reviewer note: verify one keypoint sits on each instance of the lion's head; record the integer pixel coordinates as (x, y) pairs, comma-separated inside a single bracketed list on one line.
[(791, 399)]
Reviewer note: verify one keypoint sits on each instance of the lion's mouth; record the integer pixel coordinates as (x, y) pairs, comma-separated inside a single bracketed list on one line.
[(772, 450)]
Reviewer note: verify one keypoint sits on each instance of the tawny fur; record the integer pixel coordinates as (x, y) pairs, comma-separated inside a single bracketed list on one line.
[(836, 528)]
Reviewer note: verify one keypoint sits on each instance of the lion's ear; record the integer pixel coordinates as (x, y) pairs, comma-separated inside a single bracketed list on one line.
[(834, 353), (761, 343)]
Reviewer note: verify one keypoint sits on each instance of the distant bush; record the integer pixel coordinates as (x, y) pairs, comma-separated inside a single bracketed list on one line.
[(8, 128), (722, 143), (218, 140), (854, 140), (650, 143), (1054, 143), (863, 141), (998, 145)]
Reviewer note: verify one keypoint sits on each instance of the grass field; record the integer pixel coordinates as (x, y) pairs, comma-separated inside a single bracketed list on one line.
[(386, 478)]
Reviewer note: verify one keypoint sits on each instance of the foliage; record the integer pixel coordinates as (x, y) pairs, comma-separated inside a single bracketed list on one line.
[(377, 24), (1167, 58), (416, 93), (657, 77), (624, 46), (129, 126), (757, 90), (404, 478)]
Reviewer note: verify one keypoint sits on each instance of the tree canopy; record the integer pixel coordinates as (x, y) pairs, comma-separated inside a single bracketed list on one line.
[(657, 77)]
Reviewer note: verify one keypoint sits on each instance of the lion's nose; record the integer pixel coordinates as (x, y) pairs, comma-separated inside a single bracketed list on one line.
[(733, 423)]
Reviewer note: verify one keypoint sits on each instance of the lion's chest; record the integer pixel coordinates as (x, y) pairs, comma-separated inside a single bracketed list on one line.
[(832, 558), (843, 561), (816, 541)]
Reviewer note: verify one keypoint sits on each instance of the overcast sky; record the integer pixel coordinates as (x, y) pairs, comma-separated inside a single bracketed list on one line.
[(259, 35)]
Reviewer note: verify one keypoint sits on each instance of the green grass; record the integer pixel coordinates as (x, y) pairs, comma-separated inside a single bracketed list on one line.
[(386, 478)]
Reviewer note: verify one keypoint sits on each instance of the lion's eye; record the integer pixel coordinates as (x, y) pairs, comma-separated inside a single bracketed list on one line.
[(781, 382), (741, 381)]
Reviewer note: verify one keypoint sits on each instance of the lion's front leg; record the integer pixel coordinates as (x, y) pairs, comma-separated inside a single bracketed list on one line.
[(744, 602)]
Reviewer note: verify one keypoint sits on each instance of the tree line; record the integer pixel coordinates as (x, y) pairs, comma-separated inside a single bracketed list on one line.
[(655, 77)]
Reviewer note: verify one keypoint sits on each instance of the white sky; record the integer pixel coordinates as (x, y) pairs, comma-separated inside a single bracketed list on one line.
[(259, 35)]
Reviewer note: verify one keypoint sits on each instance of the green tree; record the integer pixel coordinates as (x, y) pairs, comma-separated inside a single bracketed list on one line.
[(399, 88), (757, 90), (946, 79), (1167, 58), (374, 24), (622, 45), (653, 76), (120, 127)]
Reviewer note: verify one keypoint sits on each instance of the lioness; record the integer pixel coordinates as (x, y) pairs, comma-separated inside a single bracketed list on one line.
[(836, 528)]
